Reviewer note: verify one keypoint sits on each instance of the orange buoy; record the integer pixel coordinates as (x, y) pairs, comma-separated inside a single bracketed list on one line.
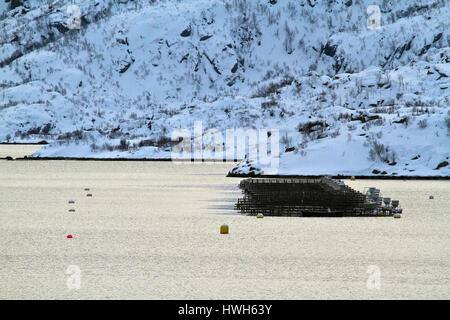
[(69, 236)]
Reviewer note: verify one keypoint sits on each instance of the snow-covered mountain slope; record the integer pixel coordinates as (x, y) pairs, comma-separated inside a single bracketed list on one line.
[(346, 98)]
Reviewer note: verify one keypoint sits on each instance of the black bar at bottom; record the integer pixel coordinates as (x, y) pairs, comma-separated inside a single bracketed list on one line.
[(221, 309)]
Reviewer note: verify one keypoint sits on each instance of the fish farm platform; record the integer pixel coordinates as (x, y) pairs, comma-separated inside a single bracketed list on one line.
[(309, 197)]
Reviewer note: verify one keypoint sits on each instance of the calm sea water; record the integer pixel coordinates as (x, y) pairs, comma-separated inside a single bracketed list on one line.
[(151, 231)]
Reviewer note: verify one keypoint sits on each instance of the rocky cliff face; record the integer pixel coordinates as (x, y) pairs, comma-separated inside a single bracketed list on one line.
[(365, 99)]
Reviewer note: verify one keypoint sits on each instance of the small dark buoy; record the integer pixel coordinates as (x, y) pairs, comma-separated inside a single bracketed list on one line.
[(71, 210), (71, 201), (431, 197), (86, 189)]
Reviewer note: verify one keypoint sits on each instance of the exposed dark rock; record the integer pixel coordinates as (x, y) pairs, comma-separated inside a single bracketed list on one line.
[(313, 126), (85, 20), (424, 49), (312, 3), (289, 149), (364, 118), (375, 171), (205, 37), (47, 128), (232, 82), (128, 65), (329, 49), (61, 27), (402, 120), (442, 165), (15, 3), (123, 41), (437, 37), (400, 50), (186, 32), (235, 68)]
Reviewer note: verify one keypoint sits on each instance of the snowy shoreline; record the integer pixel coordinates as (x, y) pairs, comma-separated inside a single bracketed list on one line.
[(362, 177), (290, 165), (237, 175), (342, 98)]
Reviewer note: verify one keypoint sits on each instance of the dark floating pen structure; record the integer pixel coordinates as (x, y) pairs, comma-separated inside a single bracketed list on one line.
[(311, 197)]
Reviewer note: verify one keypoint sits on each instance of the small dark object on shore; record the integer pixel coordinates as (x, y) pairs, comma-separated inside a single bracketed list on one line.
[(442, 165), (290, 149)]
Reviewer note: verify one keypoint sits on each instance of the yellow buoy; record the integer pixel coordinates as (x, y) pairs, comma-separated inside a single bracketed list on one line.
[(352, 178), (259, 216), (224, 229)]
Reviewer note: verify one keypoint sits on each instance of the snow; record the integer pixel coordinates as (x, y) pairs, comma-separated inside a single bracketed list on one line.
[(129, 75)]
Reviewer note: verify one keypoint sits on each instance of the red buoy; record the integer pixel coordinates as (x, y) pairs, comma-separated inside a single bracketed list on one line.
[(69, 236)]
